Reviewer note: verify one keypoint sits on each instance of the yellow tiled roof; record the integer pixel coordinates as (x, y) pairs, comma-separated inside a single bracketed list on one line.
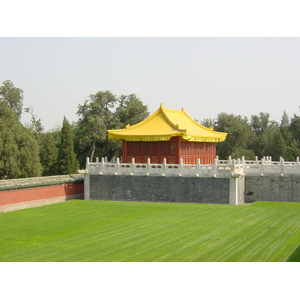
[(163, 125)]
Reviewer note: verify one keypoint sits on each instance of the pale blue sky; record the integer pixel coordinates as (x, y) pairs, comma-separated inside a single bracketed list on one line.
[(206, 76)]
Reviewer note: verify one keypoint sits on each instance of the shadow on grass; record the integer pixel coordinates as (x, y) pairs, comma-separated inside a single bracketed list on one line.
[(295, 256)]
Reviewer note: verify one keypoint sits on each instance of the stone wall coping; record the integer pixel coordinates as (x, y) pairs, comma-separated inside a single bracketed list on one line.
[(33, 182)]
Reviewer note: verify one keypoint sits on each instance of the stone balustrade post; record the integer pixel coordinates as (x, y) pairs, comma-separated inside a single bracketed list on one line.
[(181, 169), (87, 164), (118, 165), (232, 167), (281, 162), (132, 165), (164, 167), (198, 163), (215, 167), (102, 164), (243, 163), (262, 166), (148, 165), (239, 165)]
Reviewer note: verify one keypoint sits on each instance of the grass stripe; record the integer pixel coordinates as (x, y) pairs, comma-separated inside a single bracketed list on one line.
[(133, 231)]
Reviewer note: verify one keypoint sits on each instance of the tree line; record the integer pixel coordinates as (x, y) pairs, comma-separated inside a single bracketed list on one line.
[(258, 136), (29, 151)]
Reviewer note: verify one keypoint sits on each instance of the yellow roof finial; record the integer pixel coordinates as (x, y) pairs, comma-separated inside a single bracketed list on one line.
[(182, 109), (161, 105)]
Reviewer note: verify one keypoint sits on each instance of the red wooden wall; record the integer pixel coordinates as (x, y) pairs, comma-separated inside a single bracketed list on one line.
[(172, 150), (191, 151)]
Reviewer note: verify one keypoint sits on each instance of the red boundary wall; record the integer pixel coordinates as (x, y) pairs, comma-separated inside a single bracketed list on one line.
[(40, 193)]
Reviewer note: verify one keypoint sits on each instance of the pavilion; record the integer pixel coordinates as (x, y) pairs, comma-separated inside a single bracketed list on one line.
[(169, 134)]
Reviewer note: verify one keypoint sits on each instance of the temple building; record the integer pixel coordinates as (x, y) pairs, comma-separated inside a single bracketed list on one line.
[(169, 134)]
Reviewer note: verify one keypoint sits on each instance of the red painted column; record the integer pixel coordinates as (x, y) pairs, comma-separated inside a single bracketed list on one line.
[(124, 151)]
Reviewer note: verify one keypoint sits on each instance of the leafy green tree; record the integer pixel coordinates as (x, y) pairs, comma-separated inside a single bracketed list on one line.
[(291, 133), (95, 116), (264, 130), (285, 128), (239, 136), (101, 112), (293, 151), (67, 161), (131, 110), (295, 127), (36, 123), (13, 96), (48, 154), (279, 148), (209, 123), (19, 153)]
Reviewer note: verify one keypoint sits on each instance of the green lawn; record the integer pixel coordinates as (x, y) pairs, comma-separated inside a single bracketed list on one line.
[(134, 231)]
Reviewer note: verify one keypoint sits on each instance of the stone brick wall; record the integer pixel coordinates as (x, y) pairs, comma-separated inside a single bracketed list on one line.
[(159, 189), (272, 187)]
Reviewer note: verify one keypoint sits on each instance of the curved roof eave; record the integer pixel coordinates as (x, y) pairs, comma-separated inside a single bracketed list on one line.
[(168, 128)]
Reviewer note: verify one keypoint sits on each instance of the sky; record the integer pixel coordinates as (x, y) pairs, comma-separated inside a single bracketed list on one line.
[(205, 75)]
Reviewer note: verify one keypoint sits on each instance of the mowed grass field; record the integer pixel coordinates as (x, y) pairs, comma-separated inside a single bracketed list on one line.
[(151, 232)]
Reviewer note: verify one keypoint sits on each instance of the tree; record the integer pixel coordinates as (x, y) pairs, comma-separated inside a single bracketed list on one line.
[(264, 130), (291, 133), (19, 153), (67, 161), (48, 154), (285, 129), (13, 96), (131, 110), (279, 148), (209, 123), (94, 118), (295, 127), (97, 115), (239, 137), (293, 150), (37, 126)]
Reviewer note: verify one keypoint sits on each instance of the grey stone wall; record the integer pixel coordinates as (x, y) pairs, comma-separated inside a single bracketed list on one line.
[(272, 187), (160, 189)]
